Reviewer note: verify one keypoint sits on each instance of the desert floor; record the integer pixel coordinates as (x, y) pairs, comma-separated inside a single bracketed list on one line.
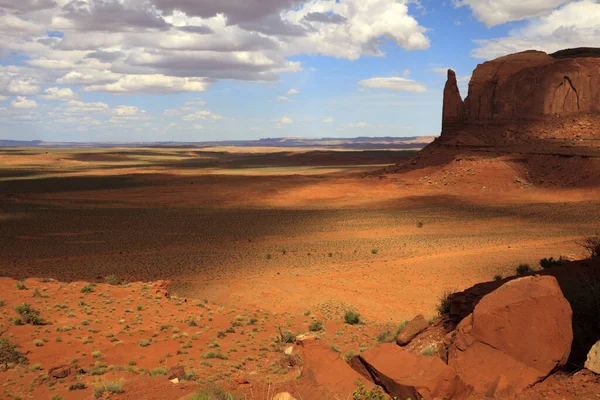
[(252, 241)]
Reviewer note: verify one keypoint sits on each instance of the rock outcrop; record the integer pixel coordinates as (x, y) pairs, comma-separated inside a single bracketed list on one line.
[(516, 336), (405, 375), (526, 86), (412, 329), (593, 359)]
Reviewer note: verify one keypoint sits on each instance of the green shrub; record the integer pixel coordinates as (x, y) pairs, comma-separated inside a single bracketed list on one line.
[(351, 317), (21, 285), (9, 355), (315, 326), (444, 304), (29, 315), (213, 392), (88, 288), (159, 371), (374, 251), (498, 277), (523, 269), (110, 387), (214, 354), (551, 262), (361, 393), (144, 343), (96, 354), (420, 224), (77, 386)]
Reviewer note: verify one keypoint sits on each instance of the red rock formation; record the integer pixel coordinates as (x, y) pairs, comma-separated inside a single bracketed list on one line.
[(516, 336), (526, 86), (407, 375)]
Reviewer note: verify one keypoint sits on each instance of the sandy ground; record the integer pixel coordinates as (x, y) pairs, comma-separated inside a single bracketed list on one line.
[(257, 234)]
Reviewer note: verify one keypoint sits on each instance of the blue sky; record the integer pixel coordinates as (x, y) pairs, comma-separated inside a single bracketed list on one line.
[(173, 70)]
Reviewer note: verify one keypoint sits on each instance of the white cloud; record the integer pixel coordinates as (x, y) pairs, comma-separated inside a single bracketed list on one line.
[(23, 102), (283, 99), (359, 125), (496, 12), (286, 120), (574, 25), (3, 98), (77, 106), (126, 110), (151, 84), (292, 91), (396, 84), (328, 120), (55, 93)]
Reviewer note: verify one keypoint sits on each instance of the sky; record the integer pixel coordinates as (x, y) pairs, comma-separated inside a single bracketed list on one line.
[(202, 70)]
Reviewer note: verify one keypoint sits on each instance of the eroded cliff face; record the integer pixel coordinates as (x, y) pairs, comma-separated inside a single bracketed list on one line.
[(526, 86)]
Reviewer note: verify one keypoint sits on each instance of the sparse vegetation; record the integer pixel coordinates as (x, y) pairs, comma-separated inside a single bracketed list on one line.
[(444, 303), (351, 317), (376, 393), (551, 262), (87, 288), (28, 314), (214, 354), (110, 387), (523, 269), (9, 355), (374, 251), (213, 392), (20, 285), (592, 245), (420, 224), (315, 326), (77, 386)]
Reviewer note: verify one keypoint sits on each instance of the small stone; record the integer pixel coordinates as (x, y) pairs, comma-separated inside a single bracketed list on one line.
[(283, 396), (289, 351), (593, 359)]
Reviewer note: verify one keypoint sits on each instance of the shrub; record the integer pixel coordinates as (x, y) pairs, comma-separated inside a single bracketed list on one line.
[(87, 288), (374, 251), (2, 302), (213, 392), (551, 262), (420, 224), (592, 245), (77, 386), (315, 326), (523, 269), (9, 355), (29, 315), (351, 317), (144, 343), (20, 285), (214, 354), (110, 387), (443, 307), (96, 354), (361, 393), (38, 343), (497, 277), (159, 371), (286, 336)]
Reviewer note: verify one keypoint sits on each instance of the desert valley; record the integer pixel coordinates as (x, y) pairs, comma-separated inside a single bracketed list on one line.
[(296, 272)]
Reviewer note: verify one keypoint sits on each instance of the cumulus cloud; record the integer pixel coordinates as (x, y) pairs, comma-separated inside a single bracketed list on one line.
[(54, 93), (286, 121), (292, 91), (573, 25), (496, 12), (23, 102), (165, 46), (397, 84), (283, 99), (359, 125), (328, 120)]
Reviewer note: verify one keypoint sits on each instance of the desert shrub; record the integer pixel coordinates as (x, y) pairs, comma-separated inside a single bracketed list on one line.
[(361, 393), (389, 334), (159, 371), (112, 280), (213, 392), (37, 293), (351, 317), (315, 326), (20, 285), (523, 269), (87, 288), (144, 343), (110, 387), (29, 315), (428, 351), (592, 245), (214, 354), (2, 303), (551, 262), (444, 304), (96, 354), (286, 336), (9, 355), (374, 251), (38, 343), (497, 277), (77, 386), (420, 224)]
